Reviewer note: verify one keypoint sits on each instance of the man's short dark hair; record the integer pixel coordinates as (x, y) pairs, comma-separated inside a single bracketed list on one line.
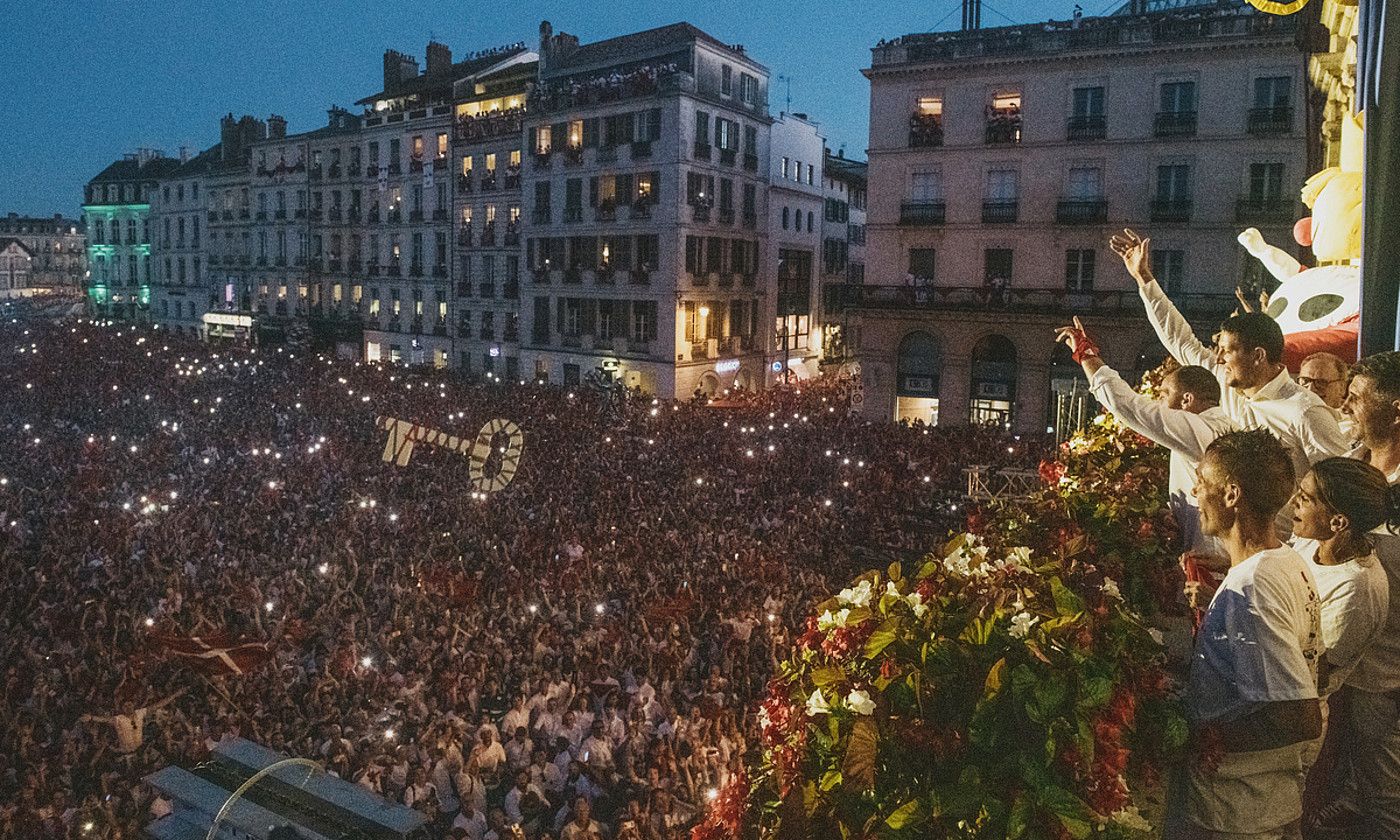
[(1256, 462), (1384, 370), (1255, 329), (1197, 381)]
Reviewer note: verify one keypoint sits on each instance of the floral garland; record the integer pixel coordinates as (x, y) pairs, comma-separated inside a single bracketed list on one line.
[(1008, 689), (990, 695)]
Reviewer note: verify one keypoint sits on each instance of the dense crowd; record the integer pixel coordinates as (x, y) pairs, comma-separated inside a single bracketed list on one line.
[(578, 655)]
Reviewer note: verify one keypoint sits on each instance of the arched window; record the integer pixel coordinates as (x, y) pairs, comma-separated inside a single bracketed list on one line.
[(994, 371), (919, 369)]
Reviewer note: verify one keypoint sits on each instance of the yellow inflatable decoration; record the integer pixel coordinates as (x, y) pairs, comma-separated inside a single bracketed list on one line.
[(1274, 8)]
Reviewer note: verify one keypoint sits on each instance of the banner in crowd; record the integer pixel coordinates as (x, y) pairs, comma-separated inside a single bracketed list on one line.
[(215, 654), (403, 434)]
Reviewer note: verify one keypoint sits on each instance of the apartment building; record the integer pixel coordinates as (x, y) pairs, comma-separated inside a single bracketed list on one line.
[(844, 193), (116, 213), (56, 248), (180, 294), (1001, 160), (645, 212), (796, 214)]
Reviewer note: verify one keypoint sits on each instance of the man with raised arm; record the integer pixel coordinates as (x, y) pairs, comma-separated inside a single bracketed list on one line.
[(1247, 358), (1185, 418)]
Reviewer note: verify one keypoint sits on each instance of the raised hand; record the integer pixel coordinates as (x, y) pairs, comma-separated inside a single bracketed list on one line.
[(1136, 253), (1247, 306)]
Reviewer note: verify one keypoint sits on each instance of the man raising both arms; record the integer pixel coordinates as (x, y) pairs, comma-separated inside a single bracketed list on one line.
[(1247, 359)]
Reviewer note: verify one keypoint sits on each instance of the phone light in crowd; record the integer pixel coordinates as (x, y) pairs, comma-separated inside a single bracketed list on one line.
[(88, 826), (393, 517), (323, 568), (534, 608), (699, 481), (389, 734), (366, 661), (150, 622), (712, 794), (268, 606), (598, 608), (772, 618), (828, 503)]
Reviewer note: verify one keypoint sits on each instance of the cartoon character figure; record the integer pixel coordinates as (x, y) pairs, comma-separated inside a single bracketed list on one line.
[(1319, 307)]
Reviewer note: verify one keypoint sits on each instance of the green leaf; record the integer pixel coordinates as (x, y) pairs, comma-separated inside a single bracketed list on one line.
[(978, 631), (992, 686), (1094, 692), (894, 570), (1085, 739), (830, 779), (881, 639), (1074, 815), (927, 569), (1020, 817), (1066, 602), (859, 765), (1050, 695), (826, 675), (903, 815)]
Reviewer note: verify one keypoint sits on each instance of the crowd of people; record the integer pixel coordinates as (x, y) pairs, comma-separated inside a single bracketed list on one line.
[(578, 655), (605, 87)]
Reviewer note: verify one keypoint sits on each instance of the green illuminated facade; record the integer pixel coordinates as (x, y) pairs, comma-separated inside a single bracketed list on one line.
[(116, 213)]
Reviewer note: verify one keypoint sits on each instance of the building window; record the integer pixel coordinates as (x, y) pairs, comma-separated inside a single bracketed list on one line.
[(997, 265), (748, 89), (1079, 270), (1086, 121), (1176, 111), (926, 123), (726, 80), (922, 262), (1272, 92), (1266, 183), (785, 218), (1004, 117), (1168, 265)]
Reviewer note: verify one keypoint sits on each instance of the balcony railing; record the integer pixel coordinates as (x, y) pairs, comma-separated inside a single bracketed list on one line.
[(1174, 124), (415, 215), (1003, 130), (999, 212), (640, 210), (1270, 120), (702, 151), (464, 183), (542, 159), (573, 155), (700, 212), (605, 212), (573, 214), (1272, 209), (726, 215), (1079, 211), (607, 153), (641, 149), (488, 181), (922, 212), (728, 156), (279, 214), (1088, 127), (751, 162), (1171, 210), (1196, 307), (925, 130), (513, 177)]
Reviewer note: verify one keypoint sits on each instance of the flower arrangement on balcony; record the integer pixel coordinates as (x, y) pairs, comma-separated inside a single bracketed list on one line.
[(1006, 688)]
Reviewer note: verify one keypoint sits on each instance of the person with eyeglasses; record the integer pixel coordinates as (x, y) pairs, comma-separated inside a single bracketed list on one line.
[(1325, 374)]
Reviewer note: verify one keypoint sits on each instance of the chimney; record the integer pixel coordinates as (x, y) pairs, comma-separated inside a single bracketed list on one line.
[(228, 137), (184, 154), (276, 127), (398, 68), (546, 33), (971, 15), (1137, 7), (439, 59)]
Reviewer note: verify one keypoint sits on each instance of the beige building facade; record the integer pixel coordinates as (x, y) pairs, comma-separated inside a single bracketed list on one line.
[(1002, 159)]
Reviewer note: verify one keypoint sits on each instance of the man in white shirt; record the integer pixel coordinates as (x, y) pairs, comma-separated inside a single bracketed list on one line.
[(1185, 418), (1372, 690), (1254, 670), (1247, 359)]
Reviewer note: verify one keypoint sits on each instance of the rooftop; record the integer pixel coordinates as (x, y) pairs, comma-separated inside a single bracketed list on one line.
[(138, 167), (438, 86), (649, 43), (850, 171), (1165, 22)]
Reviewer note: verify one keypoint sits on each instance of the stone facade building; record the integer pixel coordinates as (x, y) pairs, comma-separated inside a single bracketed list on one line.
[(116, 213), (57, 251), (1001, 160)]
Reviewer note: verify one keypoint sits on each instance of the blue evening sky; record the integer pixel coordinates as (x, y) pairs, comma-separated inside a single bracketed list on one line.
[(86, 81)]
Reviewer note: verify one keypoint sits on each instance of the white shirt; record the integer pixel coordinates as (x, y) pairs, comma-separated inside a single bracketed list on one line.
[(1259, 640), (129, 730), (1186, 434), (475, 824), (1355, 600), (1379, 668), (1297, 417)]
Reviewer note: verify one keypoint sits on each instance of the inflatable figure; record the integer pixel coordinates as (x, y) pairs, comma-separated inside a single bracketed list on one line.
[(1319, 307)]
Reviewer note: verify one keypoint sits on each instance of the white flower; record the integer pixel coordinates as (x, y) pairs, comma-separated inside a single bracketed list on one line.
[(892, 590), (857, 597), (860, 702), (1020, 556), (828, 620), (1110, 588), (1021, 624), (1131, 818), (816, 704), (916, 602), (1156, 635)]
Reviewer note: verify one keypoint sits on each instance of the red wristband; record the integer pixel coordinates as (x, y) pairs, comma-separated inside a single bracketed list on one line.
[(1084, 349)]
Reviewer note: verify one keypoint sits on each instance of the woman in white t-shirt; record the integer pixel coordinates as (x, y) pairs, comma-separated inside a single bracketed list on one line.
[(1337, 504)]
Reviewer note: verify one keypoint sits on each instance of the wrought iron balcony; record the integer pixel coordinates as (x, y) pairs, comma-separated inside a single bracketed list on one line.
[(1171, 210), (1174, 124), (1088, 127), (999, 212), (1270, 120), (1121, 302), (1273, 209), (922, 212), (1079, 211)]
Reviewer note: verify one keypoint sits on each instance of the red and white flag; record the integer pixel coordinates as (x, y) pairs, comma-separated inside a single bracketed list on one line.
[(215, 654)]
